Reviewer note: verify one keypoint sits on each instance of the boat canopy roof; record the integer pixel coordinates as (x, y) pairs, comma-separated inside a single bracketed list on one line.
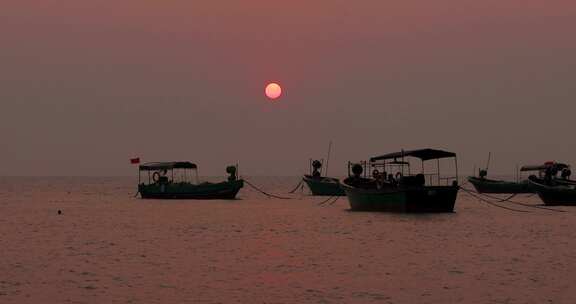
[(398, 162), (558, 166), (167, 166), (423, 154)]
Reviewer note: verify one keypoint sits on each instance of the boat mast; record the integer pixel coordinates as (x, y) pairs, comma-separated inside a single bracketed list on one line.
[(328, 158)]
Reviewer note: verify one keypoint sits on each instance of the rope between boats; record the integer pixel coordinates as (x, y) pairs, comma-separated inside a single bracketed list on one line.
[(264, 192), (331, 200), (297, 186), (334, 201), (508, 199), (489, 202), (326, 200)]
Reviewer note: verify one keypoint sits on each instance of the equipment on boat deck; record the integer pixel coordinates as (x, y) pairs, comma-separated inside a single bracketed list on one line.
[(321, 185)]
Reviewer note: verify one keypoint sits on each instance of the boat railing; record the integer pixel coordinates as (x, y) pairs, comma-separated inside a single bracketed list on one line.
[(448, 179), (433, 179)]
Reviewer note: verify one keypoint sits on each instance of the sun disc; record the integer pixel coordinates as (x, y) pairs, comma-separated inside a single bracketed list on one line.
[(273, 90)]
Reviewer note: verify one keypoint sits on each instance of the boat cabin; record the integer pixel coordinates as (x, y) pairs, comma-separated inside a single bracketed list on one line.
[(396, 169), (168, 173), (179, 180), (549, 170)]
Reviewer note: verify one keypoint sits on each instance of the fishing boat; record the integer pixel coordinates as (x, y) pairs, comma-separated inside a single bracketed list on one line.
[(322, 185), (482, 184), (179, 180), (402, 191), (555, 195), (552, 189), (486, 185)]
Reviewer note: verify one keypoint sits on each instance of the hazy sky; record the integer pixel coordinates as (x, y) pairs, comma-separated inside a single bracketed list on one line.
[(86, 85)]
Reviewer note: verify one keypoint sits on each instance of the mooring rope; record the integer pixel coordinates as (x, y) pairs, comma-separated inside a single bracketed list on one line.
[(326, 200), (489, 202), (508, 200), (297, 186), (503, 200), (334, 201), (331, 200), (264, 192)]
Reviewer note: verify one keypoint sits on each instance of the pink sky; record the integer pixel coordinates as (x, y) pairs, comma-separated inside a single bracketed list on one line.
[(86, 86)]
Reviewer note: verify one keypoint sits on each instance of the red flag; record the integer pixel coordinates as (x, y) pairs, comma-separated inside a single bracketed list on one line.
[(135, 160)]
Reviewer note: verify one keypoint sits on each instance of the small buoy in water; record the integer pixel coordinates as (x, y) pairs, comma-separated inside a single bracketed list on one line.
[(59, 211)]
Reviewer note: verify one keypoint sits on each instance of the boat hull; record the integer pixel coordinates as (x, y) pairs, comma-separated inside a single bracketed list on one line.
[(417, 199), (324, 186), (561, 195), (204, 191), (483, 185)]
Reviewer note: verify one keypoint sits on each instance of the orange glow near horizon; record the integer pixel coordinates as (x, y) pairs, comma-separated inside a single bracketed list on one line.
[(273, 90)]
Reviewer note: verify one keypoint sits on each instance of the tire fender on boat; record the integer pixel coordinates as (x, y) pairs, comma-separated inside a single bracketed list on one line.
[(156, 177)]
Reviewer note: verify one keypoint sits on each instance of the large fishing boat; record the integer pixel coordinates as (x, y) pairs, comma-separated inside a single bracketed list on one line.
[(322, 185), (402, 191), (179, 180)]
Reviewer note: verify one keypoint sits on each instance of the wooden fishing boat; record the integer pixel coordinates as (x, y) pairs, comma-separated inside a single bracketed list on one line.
[(486, 185), (554, 190), (482, 184), (558, 194), (173, 180), (402, 192), (322, 185)]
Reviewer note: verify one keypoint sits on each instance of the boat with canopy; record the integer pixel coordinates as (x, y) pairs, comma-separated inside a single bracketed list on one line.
[(179, 180), (393, 187), (553, 185), (482, 184)]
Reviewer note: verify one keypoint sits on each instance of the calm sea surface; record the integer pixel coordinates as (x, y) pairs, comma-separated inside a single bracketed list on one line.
[(108, 246)]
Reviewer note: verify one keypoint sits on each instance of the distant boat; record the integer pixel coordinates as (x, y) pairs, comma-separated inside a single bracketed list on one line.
[(557, 195), (173, 180), (403, 191), (486, 185), (554, 190), (482, 184), (322, 185)]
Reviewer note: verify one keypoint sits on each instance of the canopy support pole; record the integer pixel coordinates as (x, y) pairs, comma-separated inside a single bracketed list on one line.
[(456, 165), (438, 170)]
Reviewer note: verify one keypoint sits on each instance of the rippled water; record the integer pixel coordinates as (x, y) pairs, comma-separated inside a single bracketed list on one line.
[(109, 247)]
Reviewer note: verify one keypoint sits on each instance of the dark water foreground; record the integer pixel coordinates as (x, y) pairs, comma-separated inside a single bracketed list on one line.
[(108, 247)]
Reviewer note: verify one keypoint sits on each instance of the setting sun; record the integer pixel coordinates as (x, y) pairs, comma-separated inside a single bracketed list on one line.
[(273, 90)]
